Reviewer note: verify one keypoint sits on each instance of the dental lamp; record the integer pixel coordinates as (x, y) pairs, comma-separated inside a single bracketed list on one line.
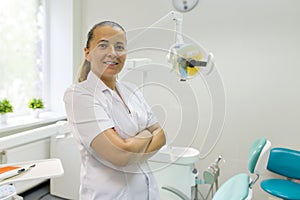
[(190, 60), (184, 5), (186, 58)]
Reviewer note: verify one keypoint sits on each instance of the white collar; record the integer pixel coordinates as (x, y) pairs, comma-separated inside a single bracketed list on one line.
[(95, 81)]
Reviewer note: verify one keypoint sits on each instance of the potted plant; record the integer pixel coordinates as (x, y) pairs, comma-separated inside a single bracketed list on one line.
[(5, 107), (36, 105)]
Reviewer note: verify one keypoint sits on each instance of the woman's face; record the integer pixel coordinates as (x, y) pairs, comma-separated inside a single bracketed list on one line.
[(107, 51)]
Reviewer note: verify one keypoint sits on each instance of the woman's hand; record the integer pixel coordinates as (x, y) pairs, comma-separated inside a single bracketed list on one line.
[(144, 134), (118, 151), (158, 139)]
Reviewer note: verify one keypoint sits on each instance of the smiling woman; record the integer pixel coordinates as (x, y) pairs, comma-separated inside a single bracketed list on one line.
[(106, 52), (115, 128), (21, 51)]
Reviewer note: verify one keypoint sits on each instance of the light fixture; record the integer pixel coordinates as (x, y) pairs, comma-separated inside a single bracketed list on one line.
[(189, 60), (184, 5)]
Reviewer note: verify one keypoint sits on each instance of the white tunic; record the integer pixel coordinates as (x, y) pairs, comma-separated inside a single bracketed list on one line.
[(91, 108)]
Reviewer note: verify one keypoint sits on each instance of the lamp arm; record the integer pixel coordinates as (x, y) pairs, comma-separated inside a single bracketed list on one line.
[(171, 16), (178, 28)]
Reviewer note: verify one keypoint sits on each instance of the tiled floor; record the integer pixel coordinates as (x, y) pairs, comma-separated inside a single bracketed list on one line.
[(41, 192)]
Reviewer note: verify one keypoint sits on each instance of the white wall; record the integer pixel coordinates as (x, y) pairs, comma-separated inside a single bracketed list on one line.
[(256, 45)]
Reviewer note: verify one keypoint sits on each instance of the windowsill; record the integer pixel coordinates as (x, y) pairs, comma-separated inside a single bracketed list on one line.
[(26, 122)]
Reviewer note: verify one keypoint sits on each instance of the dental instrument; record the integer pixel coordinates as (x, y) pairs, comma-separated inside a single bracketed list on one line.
[(210, 176)]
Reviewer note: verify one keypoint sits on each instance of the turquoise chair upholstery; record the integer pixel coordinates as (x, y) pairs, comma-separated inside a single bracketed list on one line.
[(236, 188), (239, 186), (285, 162), (254, 153)]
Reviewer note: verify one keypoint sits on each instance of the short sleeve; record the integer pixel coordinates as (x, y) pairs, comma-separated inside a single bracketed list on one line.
[(88, 116)]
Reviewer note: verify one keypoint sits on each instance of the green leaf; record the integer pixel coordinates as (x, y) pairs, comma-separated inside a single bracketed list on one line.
[(36, 103), (5, 106)]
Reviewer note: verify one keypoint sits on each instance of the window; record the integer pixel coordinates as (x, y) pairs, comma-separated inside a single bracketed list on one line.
[(22, 31)]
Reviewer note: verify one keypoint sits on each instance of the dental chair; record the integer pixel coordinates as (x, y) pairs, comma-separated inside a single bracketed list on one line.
[(285, 162), (239, 187)]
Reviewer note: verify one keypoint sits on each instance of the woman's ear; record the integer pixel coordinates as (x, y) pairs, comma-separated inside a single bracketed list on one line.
[(87, 54)]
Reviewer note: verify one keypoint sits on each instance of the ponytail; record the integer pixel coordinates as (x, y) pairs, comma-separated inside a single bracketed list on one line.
[(84, 69)]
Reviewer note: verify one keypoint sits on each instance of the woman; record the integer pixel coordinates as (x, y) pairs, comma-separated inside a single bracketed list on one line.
[(112, 123)]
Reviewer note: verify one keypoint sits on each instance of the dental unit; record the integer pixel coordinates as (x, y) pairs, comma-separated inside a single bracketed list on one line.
[(188, 60)]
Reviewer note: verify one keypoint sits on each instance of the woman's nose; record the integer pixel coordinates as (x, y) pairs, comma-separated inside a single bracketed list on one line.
[(111, 51)]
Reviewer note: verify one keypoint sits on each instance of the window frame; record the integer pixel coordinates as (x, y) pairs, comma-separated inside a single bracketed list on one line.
[(63, 23)]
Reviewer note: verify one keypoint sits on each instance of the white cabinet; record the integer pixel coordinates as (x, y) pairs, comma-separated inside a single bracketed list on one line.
[(64, 147), (31, 151), (28, 145)]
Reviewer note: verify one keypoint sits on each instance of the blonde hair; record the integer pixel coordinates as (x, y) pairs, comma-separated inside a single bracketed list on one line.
[(85, 67), (84, 70)]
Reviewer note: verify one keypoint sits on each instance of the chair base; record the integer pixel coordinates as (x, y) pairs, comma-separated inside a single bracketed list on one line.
[(281, 188)]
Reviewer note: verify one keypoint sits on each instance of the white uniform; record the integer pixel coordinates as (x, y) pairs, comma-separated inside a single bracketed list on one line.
[(91, 108)]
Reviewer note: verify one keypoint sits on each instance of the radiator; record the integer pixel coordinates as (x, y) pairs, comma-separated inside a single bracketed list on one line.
[(26, 146)]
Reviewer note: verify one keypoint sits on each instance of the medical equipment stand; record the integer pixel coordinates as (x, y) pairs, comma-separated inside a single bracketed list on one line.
[(210, 176), (43, 169)]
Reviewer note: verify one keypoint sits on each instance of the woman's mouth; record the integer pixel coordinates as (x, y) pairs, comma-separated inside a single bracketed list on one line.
[(111, 63)]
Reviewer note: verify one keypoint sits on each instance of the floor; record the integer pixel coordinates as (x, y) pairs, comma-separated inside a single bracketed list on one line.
[(40, 192)]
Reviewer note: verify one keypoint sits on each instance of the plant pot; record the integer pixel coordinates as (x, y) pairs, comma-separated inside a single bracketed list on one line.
[(36, 113), (3, 118)]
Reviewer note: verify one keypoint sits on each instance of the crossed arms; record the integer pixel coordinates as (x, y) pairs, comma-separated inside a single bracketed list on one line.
[(121, 152)]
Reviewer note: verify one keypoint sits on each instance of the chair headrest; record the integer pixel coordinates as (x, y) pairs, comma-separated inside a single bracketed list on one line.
[(258, 155)]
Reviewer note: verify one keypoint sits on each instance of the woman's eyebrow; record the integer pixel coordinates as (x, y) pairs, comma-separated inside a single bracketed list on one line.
[(120, 43), (108, 42), (102, 41)]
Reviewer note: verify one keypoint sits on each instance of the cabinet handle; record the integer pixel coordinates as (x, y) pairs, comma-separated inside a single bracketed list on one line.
[(3, 158)]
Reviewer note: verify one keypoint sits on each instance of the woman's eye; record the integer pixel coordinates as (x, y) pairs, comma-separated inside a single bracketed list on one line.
[(102, 46), (120, 48)]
